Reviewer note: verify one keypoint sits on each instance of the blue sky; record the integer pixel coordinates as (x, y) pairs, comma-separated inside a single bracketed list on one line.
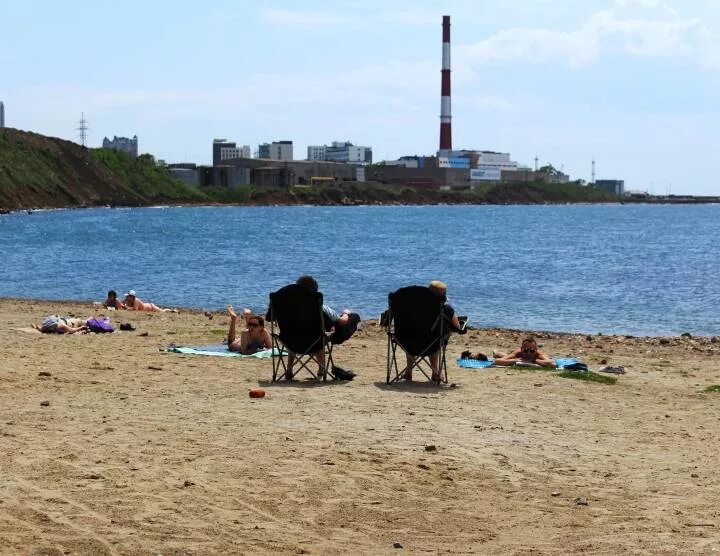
[(632, 83)]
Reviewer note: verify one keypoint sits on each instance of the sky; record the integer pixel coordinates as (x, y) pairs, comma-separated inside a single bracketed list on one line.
[(632, 84)]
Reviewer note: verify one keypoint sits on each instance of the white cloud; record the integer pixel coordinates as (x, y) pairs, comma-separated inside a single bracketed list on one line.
[(604, 32)]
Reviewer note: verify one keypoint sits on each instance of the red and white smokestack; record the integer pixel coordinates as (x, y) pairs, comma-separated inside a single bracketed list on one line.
[(445, 117)]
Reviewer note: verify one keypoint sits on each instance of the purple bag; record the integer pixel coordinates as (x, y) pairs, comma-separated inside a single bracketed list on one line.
[(99, 325)]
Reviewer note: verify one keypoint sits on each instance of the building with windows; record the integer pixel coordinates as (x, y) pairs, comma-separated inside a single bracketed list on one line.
[(341, 151), (277, 150), (2, 115), (611, 186), (225, 150), (123, 144)]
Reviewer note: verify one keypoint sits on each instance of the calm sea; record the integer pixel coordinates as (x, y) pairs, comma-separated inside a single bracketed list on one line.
[(626, 269)]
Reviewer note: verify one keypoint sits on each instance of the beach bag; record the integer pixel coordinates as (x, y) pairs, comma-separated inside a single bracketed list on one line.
[(342, 374), (99, 325)]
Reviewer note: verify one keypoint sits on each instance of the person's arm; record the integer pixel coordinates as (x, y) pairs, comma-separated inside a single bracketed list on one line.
[(544, 361), (514, 357), (119, 304), (267, 339), (64, 328)]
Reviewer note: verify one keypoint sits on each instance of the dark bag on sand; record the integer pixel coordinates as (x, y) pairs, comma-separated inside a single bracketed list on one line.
[(577, 367), (99, 325), (342, 374)]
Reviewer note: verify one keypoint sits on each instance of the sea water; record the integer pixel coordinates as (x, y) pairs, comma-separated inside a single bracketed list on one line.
[(624, 269)]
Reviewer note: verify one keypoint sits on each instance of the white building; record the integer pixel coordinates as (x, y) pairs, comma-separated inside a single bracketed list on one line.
[(277, 150), (488, 165), (123, 144), (341, 151), (316, 152)]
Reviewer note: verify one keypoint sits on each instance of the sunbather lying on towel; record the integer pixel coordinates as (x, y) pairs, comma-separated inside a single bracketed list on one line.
[(55, 324), (134, 303), (252, 339), (528, 353)]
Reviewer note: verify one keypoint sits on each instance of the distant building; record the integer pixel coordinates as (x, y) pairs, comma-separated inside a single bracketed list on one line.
[(277, 150), (341, 151), (611, 186), (225, 150), (123, 144), (316, 152), (2, 115)]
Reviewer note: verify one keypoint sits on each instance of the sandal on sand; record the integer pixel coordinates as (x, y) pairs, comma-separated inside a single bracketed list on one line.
[(616, 370)]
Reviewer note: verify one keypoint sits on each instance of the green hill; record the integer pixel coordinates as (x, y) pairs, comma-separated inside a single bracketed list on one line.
[(39, 171)]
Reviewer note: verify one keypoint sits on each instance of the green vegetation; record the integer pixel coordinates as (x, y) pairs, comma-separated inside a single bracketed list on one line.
[(590, 377), (39, 171), (144, 176), (713, 388)]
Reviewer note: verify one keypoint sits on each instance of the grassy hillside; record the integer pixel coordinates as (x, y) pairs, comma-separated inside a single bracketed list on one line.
[(39, 171)]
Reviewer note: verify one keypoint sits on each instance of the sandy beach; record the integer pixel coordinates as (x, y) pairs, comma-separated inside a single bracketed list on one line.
[(109, 445)]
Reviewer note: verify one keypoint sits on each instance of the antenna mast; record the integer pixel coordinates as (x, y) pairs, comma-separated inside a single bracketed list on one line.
[(82, 129), (593, 170)]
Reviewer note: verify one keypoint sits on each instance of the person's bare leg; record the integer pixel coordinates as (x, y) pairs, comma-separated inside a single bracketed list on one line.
[(290, 364), (435, 365), (233, 324), (320, 358), (407, 372)]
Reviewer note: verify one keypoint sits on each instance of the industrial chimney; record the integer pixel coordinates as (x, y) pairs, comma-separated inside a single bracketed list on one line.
[(445, 117)]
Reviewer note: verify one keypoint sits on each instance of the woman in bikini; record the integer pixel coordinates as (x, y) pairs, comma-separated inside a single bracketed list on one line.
[(253, 338), (528, 353), (134, 303)]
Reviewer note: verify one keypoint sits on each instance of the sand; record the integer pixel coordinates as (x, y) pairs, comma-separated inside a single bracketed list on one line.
[(110, 446)]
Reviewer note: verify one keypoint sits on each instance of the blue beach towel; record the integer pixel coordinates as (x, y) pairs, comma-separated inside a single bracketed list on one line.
[(475, 364), (219, 350)]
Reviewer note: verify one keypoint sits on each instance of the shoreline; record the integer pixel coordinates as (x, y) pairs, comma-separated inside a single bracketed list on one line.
[(661, 202), (585, 336)]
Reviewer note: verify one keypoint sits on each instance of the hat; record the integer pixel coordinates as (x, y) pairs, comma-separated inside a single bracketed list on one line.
[(131, 292)]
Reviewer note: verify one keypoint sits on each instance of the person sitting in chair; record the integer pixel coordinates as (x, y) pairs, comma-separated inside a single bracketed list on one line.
[(528, 353), (343, 325), (253, 338), (453, 324)]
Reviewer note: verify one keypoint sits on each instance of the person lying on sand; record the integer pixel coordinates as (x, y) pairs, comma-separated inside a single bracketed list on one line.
[(253, 338), (55, 324), (134, 303), (112, 301), (528, 353)]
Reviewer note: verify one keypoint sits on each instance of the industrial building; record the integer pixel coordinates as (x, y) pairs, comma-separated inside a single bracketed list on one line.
[(611, 186), (123, 144)]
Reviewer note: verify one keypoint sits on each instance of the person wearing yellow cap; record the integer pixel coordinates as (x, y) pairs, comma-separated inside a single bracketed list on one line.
[(440, 289)]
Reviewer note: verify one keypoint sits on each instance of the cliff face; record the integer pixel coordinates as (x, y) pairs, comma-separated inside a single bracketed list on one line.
[(39, 171)]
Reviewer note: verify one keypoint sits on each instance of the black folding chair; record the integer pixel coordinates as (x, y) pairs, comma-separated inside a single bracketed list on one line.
[(297, 312), (416, 323)]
